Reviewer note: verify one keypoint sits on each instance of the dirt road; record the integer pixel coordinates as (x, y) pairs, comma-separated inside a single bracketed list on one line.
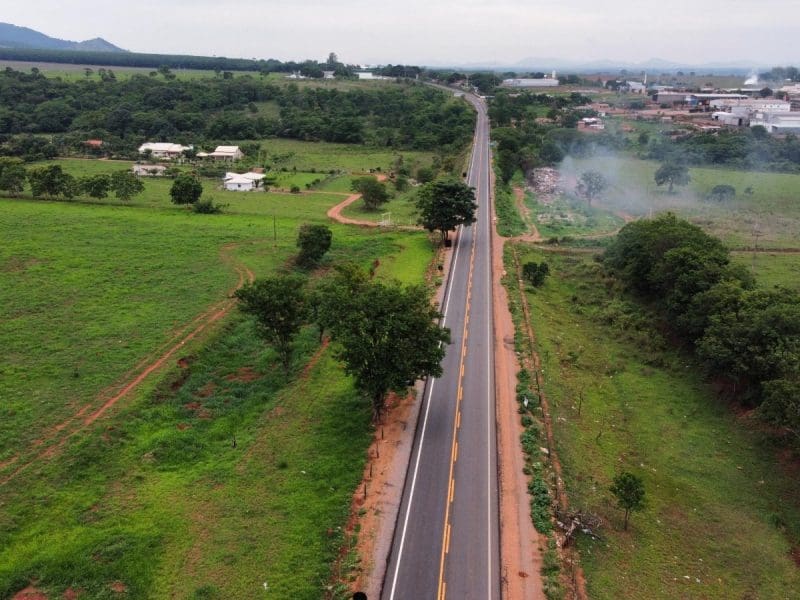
[(52, 441)]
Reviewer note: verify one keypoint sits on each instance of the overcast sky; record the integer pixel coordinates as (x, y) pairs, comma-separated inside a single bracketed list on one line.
[(431, 31)]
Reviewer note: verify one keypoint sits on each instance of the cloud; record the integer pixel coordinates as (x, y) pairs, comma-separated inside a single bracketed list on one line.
[(422, 31)]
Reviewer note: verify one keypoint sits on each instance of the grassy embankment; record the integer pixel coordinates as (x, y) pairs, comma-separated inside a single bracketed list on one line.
[(722, 513), (154, 496)]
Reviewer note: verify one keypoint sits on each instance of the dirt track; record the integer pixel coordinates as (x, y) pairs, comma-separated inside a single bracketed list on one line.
[(53, 440)]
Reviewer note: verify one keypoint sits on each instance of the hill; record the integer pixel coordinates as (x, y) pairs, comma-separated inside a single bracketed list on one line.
[(12, 36)]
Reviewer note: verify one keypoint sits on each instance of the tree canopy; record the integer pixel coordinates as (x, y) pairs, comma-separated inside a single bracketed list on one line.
[(386, 334), (279, 306), (372, 191), (444, 204), (672, 174), (628, 489), (186, 189), (314, 241)]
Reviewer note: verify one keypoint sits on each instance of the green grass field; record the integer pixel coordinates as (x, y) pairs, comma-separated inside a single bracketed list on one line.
[(722, 505), (771, 210), (154, 495), (771, 268), (324, 156)]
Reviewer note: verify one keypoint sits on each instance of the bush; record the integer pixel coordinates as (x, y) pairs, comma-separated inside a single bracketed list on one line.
[(535, 273), (207, 207)]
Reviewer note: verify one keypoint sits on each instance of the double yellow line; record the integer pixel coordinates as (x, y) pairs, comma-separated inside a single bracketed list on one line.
[(451, 484)]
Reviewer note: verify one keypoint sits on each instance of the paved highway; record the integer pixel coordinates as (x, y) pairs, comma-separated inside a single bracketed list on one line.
[(446, 543)]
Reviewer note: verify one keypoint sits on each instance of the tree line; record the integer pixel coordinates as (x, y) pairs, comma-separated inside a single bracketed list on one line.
[(745, 337), (124, 113), (173, 61), (750, 148), (51, 182)]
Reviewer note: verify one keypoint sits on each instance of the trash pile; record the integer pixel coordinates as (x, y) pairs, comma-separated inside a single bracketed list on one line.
[(546, 182)]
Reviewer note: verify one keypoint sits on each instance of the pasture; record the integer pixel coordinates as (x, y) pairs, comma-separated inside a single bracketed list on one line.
[(722, 518), (217, 474)]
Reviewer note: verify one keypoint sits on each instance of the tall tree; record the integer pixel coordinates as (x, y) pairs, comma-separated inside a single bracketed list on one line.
[(279, 307), (372, 191), (388, 338), (51, 181), (314, 241), (186, 189), (445, 204), (12, 175), (628, 489), (95, 186), (126, 185), (591, 185), (672, 174)]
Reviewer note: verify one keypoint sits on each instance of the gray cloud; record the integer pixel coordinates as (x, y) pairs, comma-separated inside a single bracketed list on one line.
[(430, 31)]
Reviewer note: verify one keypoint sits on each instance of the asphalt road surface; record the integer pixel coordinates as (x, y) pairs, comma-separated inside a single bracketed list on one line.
[(446, 543)]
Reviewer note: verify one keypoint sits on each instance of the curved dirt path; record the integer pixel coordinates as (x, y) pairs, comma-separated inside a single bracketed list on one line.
[(533, 234), (335, 213), (130, 381)]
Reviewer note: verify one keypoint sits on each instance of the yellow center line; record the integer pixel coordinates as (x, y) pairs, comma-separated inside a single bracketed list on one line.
[(456, 425)]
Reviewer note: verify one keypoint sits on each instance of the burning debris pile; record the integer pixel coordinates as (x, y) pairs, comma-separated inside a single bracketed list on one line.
[(546, 182)]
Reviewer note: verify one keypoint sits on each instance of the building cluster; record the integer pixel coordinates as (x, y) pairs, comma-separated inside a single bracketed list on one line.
[(170, 151), (740, 109)]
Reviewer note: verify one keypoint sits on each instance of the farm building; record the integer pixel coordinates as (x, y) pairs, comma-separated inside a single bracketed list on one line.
[(226, 153), (163, 149), (148, 170), (242, 182)]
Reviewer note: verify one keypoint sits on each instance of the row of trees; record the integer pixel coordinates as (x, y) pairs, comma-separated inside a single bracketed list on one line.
[(744, 336), (749, 148), (126, 112), (172, 61), (386, 334), (51, 181)]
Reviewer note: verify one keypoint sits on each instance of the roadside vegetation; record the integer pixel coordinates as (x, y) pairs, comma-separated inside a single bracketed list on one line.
[(622, 399)]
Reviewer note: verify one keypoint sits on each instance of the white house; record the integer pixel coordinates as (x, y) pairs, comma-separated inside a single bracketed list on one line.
[(226, 153), (163, 149), (329, 74), (242, 182), (148, 170)]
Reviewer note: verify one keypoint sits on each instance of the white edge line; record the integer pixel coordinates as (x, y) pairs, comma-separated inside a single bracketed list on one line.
[(424, 421)]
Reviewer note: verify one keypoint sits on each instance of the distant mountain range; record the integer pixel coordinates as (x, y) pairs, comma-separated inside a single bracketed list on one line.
[(12, 36)]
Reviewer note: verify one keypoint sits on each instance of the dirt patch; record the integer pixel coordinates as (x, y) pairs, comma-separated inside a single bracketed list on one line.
[(795, 553), (19, 264), (118, 587), (244, 375), (29, 593), (183, 426), (71, 594), (207, 390)]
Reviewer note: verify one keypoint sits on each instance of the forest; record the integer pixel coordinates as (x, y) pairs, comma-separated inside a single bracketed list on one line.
[(124, 113)]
